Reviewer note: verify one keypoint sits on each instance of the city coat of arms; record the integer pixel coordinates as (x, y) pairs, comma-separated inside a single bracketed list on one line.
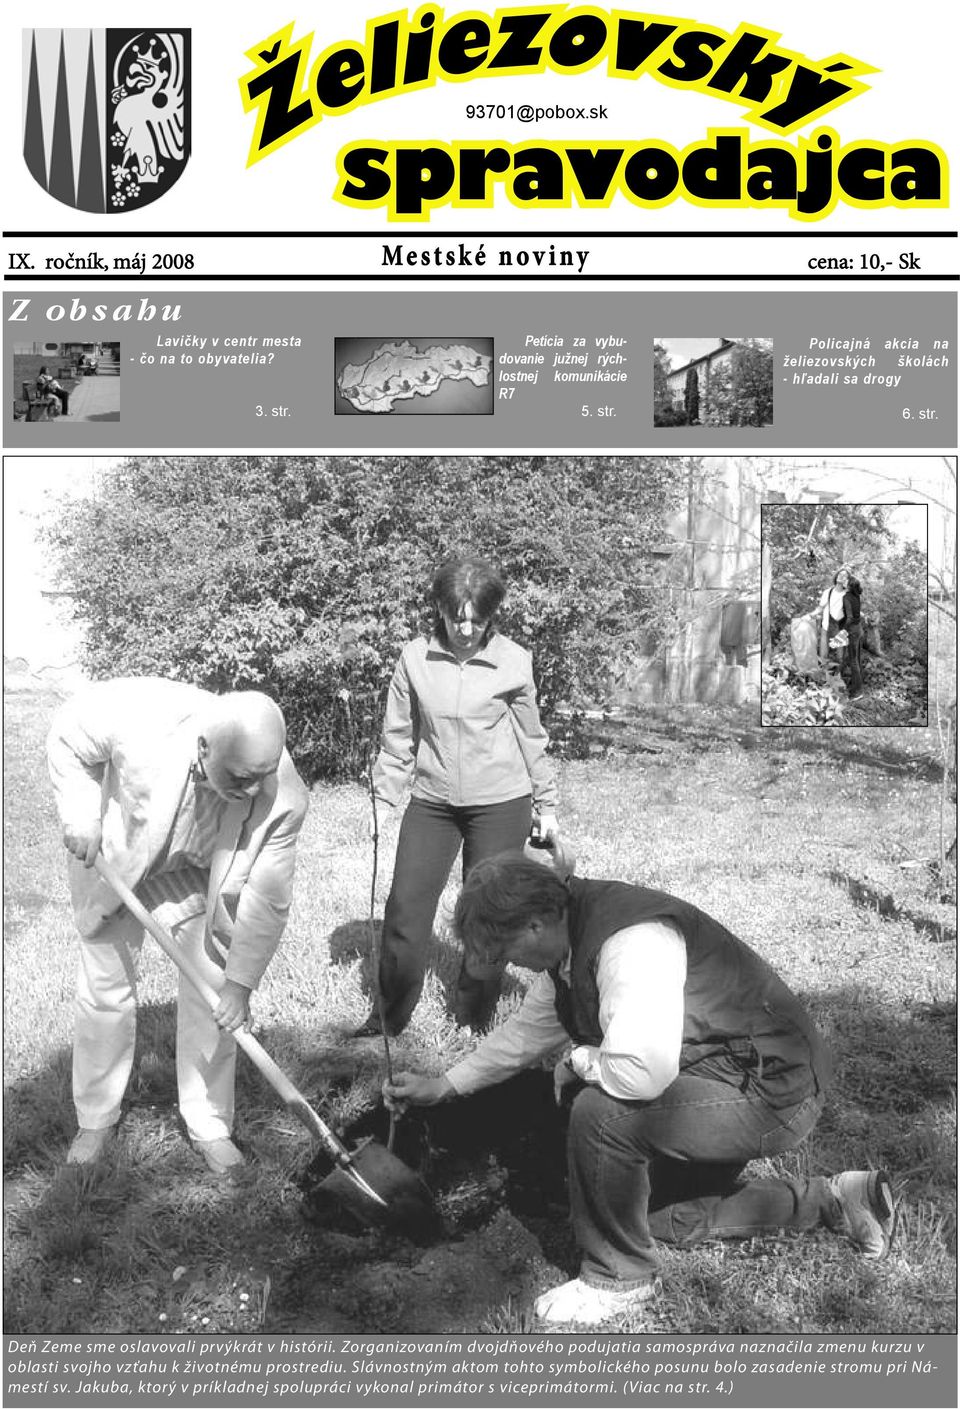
[(106, 114)]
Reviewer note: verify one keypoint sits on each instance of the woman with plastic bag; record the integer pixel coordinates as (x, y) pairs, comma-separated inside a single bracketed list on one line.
[(841, 627), (831, 612)]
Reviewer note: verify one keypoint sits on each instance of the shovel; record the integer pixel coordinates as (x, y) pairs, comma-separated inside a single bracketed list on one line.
[(372, 1183)]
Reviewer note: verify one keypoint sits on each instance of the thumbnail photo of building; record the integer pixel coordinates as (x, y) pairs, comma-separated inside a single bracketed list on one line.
[(713, 382)]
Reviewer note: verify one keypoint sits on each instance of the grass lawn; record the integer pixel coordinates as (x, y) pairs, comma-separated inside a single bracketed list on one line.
[(814, 846)]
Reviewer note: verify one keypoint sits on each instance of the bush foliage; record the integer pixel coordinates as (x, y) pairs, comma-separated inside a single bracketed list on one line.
[(304, 576), (809, 542), (790, 698), (740, 392)]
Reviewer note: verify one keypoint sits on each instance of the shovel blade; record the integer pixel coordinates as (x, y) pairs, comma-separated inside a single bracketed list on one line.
[(407, 1206)]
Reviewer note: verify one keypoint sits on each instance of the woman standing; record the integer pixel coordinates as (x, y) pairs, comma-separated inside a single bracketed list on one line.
[(853, 626), (839, 610), (831, 612), (462, 719)]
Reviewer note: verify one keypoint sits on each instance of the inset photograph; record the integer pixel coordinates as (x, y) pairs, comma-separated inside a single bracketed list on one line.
[(844, 625), (713, 382), (60, 381), (415, 376)]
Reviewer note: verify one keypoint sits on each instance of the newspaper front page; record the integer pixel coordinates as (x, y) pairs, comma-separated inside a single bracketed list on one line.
[(300, 305)]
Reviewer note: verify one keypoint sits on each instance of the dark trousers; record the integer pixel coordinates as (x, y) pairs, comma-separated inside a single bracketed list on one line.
[(431, 834), (62, 396), (825, 638), (854, 647), (669, 1168)]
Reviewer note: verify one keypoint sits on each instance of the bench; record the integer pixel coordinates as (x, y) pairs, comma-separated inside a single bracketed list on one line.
[(39, 408)]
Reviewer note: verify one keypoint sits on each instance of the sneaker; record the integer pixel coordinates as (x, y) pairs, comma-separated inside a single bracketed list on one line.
[(577, 1303), (88, 1145), (867, 1209), (222, 1156)]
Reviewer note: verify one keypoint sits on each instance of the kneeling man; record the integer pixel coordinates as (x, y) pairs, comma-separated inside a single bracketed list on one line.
[(689, 1057), (194, 800)]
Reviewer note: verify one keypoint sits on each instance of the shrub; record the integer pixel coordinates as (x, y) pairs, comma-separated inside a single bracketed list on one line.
[(691, 397), (661, 386), (803, 565), (740, 392), (670, 415), (304, 576), (790, 698), (898, 594)]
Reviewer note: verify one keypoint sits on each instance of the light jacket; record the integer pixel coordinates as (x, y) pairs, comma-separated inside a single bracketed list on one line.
[(121, 750), (469, 732)]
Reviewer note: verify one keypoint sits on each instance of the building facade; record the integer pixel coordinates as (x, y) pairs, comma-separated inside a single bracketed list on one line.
[(704, 368)]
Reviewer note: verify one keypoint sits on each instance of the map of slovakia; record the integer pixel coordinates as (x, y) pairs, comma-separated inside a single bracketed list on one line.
[(397, 371)]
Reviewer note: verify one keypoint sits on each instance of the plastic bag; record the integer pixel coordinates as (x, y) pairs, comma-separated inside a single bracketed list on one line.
[(803, 643)]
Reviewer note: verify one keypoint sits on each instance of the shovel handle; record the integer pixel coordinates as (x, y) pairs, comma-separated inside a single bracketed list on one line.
[(281, 1083)]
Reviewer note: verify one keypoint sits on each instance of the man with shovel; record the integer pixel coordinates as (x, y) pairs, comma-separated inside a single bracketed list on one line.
[(194, 802), (686, 1057)]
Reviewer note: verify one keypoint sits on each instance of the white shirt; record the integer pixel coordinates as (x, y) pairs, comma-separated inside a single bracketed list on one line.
[(832, 606), (179, 877), (641, 972)]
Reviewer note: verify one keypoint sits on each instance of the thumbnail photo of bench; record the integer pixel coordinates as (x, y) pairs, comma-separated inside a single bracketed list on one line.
[(59, 381)]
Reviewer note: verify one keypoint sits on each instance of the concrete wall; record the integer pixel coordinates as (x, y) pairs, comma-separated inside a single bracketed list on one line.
[(693, 669), (719, 562)]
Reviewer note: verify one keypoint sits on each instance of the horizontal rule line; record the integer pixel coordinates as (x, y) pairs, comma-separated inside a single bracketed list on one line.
[(461, 278), (482, 235)]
